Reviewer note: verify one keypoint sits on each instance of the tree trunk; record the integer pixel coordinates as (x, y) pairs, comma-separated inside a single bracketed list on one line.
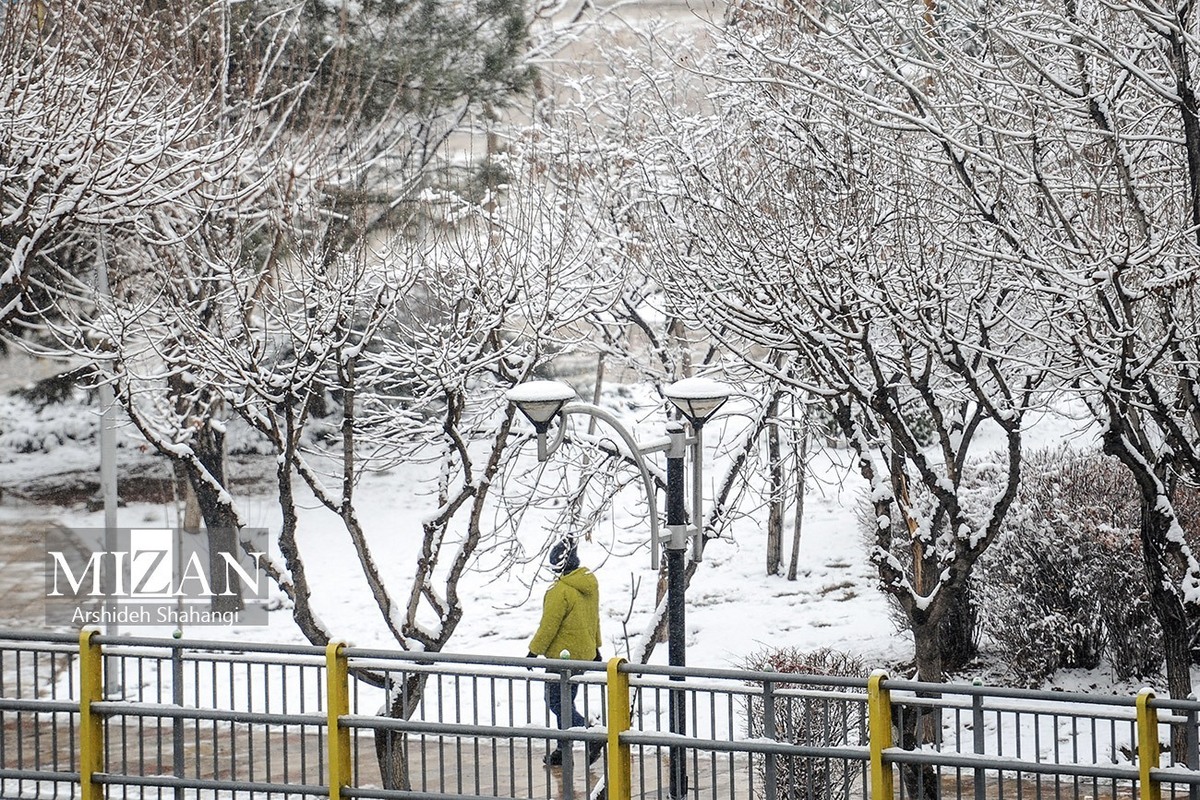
[(775, 496), (219, 519), (1170, 612), (922, 724), (958, 632), (660, 591), (190, 519), (1162, 559), (801, 473), (928, 641), (391, 746)]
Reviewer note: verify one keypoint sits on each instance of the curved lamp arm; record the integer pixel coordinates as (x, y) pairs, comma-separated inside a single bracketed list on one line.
[(636, 452)]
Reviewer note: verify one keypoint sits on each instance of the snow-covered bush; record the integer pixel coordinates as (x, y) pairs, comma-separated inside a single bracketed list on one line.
[(1064, 584), (33, 423), (27, 426), (806, 719), (1134, 641)]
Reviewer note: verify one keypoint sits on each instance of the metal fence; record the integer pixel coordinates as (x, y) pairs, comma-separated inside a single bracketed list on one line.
[(95, 717)]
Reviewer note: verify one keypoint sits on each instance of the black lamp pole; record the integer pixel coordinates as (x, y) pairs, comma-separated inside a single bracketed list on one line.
[(698, 398), (676, 579)]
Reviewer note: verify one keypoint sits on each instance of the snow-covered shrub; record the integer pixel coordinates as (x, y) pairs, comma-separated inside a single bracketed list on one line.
[(1063, 584), (1134, 641), (807, 718), (30, 426)]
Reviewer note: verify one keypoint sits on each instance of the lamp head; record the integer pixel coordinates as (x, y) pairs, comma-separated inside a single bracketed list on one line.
[(540, 401), (698, 398)]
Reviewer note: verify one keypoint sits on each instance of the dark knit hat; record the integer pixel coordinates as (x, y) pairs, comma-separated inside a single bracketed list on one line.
[(563, 558)]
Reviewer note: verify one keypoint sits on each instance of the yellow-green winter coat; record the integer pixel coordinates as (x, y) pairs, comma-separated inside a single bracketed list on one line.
[(570, 618)]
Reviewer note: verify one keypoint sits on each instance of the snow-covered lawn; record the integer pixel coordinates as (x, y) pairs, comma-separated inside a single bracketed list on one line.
[(733, 608)]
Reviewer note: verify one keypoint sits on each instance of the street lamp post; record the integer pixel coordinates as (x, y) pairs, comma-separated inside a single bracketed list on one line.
[(543, 402), (676, 630)]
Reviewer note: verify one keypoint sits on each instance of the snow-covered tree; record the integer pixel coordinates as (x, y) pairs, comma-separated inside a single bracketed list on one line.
[(593, 150), (946, 213), (249, 274), (791, 234), (940, 206), (247, 129), (415, 339), (101, 135), (1137, 344)]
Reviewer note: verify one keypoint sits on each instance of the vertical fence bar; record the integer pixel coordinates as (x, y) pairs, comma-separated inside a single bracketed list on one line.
[(1147, 746), (91, 725), (566, 712), (979, 741), (1192, 759), (178, 751), (879, 711), (769, 762), (619, 761), (337, 705)]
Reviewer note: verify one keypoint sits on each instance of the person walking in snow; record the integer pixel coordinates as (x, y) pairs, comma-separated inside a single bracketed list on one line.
[(571, 623)]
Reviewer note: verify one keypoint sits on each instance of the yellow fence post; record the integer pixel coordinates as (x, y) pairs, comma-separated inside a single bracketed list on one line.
[(619, 759), (337, 705), (91, 725), (879, 729), (1147, 746)]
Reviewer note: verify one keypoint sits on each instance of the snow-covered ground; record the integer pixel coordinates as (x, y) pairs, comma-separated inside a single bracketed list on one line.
[(733, 609), (833, 602)]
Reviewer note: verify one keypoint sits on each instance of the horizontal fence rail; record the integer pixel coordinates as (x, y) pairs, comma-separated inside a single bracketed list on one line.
[(94, 717)]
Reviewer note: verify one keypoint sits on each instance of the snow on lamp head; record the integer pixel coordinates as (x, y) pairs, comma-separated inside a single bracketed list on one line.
[(698, 398), (540, 401)]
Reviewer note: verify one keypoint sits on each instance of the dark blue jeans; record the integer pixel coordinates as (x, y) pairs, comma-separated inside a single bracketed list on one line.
[(554, 703)]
